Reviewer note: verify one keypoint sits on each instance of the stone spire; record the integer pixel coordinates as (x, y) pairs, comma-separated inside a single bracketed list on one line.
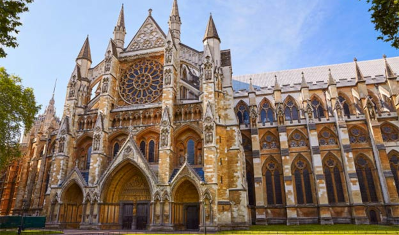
[(174, 21), (388, 70), (304, 84), (120, 25), (276, 85), (52, 98), (85, 51), (211, 31), (120, 30), (331, 80), (359, 75)]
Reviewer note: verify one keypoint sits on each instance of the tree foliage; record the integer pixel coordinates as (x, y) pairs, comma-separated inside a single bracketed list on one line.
[(17, 111), (385, 16), (9, 21)]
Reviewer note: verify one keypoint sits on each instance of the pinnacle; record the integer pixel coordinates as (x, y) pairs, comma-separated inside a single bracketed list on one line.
[(85, 51), (211, 31), (276, 85), (121, 19), (175, 9), (359, 75), (388, 70), (304, 84), (331, 80), (251, 87)]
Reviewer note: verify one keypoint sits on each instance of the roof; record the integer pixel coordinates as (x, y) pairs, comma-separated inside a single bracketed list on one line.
[(85, 51), (211, 31), (370, 69)]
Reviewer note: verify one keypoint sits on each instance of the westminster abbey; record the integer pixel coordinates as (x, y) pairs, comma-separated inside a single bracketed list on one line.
[(161, 136)]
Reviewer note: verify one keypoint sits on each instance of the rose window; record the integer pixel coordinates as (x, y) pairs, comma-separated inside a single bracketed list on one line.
[(142, 82)]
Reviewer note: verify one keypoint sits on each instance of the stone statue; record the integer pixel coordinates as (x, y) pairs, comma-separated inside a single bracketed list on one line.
[(168, 53), (108, 60), (96, 142), (164, 137), (338, 107), (168, 76), (254, 116), (309, 111), (280, 115), (105, 85), (209, 134), (371, 110)]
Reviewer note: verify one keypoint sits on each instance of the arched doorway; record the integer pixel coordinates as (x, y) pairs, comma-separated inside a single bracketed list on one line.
[(373, 217), (126, 200), (187, 206), (71, 208)]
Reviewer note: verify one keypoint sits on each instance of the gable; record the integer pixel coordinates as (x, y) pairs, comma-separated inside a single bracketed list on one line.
[(149, 36)]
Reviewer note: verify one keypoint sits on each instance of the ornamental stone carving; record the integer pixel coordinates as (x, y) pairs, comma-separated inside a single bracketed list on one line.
[(168, 76), (371, 109), (209, 134), (338, 108), (108, 60), (96, 142), (309, 111), (105, 85), (61, 144), (254, 116), (168, 53), (280, 114), (208, 69), (164, 137)]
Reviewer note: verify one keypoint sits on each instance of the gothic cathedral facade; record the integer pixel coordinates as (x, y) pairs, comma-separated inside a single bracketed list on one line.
[(155, 137)]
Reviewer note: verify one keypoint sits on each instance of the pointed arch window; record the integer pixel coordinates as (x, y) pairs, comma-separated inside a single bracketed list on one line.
[(274, 183), (318, 111), (291, 111), (269, 141), (364, 171), (242, 114), (327, 137), (333, 174), (345, 105), (394, 163), (151, 151), (266, 113), (142, 147), (191, 152), (302, 176), (297, 139), (358, 135), (390, 133), (116, 149), (88, 158)]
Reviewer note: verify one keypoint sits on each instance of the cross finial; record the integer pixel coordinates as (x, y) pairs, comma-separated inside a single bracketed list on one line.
[(149, 11)]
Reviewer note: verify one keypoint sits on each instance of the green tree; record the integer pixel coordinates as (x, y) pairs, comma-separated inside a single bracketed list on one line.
[(17, 111), (9, 21), (385, 16)]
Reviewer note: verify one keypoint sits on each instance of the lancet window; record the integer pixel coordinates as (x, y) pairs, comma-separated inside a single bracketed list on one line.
[(266, 112), (394, 163), (272, 173), (291, 110), (318, 110), (243, 113), (333, 175), (302, 178), (365, 175), (115, 149)]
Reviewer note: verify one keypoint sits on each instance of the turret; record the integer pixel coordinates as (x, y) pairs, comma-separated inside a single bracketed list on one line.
[(175, 22), (84, 58), (212, 40), (120, 31)]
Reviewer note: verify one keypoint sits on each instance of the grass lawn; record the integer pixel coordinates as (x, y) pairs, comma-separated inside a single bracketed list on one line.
[(33, 232), (318, 229)]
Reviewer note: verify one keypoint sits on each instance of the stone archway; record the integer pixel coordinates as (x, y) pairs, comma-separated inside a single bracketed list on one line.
[(186, 206), (126, 199), (71, 209)]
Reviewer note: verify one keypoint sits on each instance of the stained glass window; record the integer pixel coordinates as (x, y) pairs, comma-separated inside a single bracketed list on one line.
[(297, 139), (242, 113), (191, 152), (358, 135), (394, 163), (266, 113), (334, 184), (364, 171), (302, 181), (88, 158), (269, 141), (318, 111), (116, 149), (327, 137), (151, 151), (291, 110), (273, 183), (142, 147), (390, 133)]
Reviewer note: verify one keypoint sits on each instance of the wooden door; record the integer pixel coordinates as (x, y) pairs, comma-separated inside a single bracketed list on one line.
[(192, 217), (127, 216), (142, 216)]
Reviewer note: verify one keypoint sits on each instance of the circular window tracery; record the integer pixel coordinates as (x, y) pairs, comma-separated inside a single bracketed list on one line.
[(142, 82)]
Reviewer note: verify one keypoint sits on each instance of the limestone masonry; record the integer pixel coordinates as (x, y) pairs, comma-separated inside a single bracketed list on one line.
[(154, 137)]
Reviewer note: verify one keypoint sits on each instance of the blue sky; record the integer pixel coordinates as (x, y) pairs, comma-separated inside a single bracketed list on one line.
[(263, 35)]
